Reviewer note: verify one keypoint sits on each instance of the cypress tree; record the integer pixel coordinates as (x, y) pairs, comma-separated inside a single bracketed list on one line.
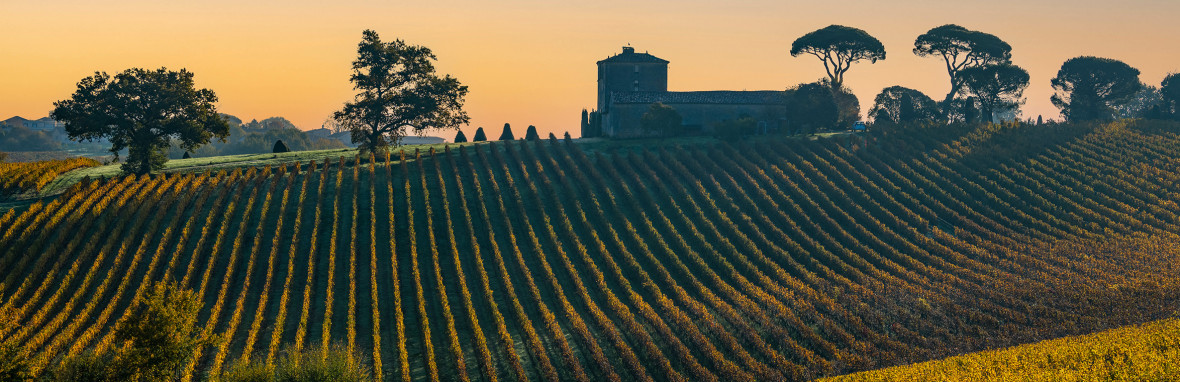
[(567, 136), (1039, 120), (460, 138), (187, 155), (479, 136), (531, 134), (552, 137), (281, 147), (507, 134), (585, 123)]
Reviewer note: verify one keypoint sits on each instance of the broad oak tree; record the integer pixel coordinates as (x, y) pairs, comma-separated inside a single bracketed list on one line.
[(961, 48), (143, 111), (839, 47), (1089, 88), (398, 91), (994, 87)]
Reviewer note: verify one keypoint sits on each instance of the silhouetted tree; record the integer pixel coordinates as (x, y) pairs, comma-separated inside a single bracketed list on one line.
[(187, 155), (961, 48), (847, 105), (460, 137), (552, 137), (661, 120), (810, 107), (531, 134), (506, 135), (898, 105), (1089, 88), (280, 147), (839, 47), (1141, 104), (1040, 120), (399, 90), (585, 123), (595, 124), (995, 87), (1170, 91), (144, 111), (567, 137), (479, 135)]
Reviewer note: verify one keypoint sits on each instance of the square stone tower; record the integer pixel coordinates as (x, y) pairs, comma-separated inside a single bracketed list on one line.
[(630, 72)]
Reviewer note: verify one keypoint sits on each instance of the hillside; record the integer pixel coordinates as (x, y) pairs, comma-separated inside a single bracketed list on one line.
[(1148, 352), (775, 259)]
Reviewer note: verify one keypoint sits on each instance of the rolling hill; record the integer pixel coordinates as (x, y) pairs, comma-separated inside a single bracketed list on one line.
[(768, 259)]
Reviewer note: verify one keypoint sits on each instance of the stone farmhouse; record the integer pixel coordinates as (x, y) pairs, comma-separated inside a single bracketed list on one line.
[(629, 82)]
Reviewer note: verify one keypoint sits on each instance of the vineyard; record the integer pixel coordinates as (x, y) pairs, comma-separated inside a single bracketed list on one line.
[(1148, 352), (24, 177), (780, 259)]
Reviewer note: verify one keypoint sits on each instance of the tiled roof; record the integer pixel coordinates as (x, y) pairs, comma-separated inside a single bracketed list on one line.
[(629, 56), (761, 97)]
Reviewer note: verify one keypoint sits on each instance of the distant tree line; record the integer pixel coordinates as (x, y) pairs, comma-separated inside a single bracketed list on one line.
[(259, 137), (20, 138)]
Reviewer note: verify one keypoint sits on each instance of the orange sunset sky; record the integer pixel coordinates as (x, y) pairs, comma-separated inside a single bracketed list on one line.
[(533, 62)]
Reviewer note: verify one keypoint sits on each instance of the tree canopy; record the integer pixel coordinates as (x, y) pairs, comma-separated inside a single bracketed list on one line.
[(479, 135), (1170, 91), (961, 48), (144, 111), (460, 137), (160, 334), (839, 47), (995, 88), (896, 104), (398, 90), (1146, 103), (810, 107), (847, 105), (531, 134), (661, 120), (1090, 88)]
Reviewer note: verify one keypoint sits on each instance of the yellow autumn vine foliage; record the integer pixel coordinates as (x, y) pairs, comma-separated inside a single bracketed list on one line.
[(1147, 352)]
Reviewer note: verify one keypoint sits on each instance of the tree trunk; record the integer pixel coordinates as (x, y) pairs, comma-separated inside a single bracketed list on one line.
[(946, 103)]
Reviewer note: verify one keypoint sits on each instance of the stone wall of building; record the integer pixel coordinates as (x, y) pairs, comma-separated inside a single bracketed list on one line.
[(623, 120)]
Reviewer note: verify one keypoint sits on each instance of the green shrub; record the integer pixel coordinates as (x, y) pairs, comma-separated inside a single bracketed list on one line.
[(85, 367), (14, 362)]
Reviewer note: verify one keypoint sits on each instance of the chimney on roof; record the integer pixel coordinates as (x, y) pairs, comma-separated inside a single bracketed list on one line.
[(628, 50)]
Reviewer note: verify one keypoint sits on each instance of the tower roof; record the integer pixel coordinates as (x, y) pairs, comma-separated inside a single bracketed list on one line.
[(630, 57)]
